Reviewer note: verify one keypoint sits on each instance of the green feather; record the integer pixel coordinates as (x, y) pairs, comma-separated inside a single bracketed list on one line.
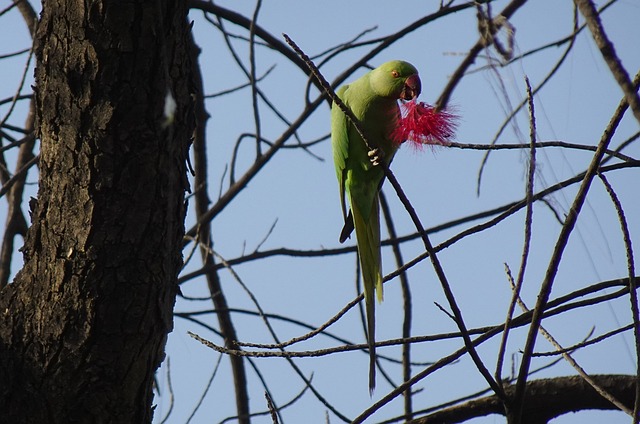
[(373, 99)]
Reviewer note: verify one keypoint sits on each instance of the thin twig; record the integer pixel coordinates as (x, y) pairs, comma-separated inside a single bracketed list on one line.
[(204, 240), (23, 79), (626, 143), (601, 391), (452, 403), (537, 145), (633, 295), (238, 87), (592, 16), (555, 307), (500, 213), (171, 395), (590, 341), (514, 111), (252, 77), (272, 409), (406, 305), (481, 44), (490, 333), (18, 175), (414, 217), (563, 238), (16, 224), (298, 371), (310, 334), (28, 14), (528, 220), (278, 410), (206, 389)]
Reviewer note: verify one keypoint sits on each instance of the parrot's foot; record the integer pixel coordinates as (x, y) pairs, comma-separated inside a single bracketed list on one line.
[(375, 156)]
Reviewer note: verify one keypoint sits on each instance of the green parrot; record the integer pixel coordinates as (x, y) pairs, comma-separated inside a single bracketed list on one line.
[(373, 99)]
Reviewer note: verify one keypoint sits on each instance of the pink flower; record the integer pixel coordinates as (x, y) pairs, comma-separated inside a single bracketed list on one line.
[(421, 124)]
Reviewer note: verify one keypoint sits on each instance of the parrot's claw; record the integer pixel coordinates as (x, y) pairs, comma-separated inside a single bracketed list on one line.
[(375, 156)]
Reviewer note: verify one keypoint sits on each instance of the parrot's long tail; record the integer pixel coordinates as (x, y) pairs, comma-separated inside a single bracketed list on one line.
[(368, 237), (371, 340)]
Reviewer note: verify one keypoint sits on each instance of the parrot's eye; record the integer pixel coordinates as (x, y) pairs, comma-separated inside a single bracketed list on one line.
[(395, 74)]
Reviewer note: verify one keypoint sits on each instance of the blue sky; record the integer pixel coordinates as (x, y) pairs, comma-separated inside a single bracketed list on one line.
[(299, 193)]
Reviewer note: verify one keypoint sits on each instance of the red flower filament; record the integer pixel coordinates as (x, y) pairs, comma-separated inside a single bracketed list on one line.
[(421, 124)]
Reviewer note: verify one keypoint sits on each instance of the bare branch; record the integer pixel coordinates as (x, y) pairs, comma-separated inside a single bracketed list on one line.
[(484, 41), (528, 221), (600, 390), (414, 217), (630, 89), (633, 295), (406, 305), (567, 228), (546, 399)]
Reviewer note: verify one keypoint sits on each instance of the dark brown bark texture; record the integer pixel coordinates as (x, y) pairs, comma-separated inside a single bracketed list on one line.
[(545, 399), (84, 324)]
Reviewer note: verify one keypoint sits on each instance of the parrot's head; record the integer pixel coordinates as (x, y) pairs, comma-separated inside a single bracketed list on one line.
[(396, 79)]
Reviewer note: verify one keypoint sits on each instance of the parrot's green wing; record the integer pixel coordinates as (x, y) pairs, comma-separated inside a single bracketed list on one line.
[(340, 144), (373, 100)]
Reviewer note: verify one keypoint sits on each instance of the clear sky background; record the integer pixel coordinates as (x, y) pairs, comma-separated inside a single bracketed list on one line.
[(297, 191)]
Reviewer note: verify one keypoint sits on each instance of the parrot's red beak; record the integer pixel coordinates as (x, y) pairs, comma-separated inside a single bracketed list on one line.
[(412, 87)]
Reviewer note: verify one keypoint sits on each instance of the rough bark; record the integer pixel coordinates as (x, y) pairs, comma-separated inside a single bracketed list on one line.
[(85, 321), (545, 399)]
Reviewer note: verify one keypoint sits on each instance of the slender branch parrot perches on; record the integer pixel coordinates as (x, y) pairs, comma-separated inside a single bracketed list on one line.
[(373, 99)]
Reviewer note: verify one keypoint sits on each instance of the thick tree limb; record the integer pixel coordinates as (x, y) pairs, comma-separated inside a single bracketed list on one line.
[(546, 399)]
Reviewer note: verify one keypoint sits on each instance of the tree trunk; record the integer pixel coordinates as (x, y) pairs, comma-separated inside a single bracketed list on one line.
[(85, 321)]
